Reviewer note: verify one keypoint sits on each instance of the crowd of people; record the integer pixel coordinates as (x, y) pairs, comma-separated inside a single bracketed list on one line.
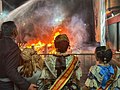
[(60, 71)]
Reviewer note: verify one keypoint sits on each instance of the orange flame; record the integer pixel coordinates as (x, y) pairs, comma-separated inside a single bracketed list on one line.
[(40, 46)]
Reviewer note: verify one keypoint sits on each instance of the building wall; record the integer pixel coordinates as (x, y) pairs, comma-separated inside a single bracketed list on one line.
[(112, 35)]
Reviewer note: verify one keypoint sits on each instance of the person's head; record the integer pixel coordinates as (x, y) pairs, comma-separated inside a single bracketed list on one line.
[(103, 54), (61, 43), (9, 29)]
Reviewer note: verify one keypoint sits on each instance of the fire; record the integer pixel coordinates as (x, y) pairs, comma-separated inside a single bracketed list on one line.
[(38, 45), (48, 46), (42, 47)]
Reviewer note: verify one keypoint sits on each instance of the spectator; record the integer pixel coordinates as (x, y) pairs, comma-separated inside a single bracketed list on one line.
[(9, 60), (61, 71), (103, 76)]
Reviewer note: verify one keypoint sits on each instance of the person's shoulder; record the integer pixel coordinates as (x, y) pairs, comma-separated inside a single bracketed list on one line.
[(8, 40), (94, 69), (1, 40), (10, 43), (50, 57)]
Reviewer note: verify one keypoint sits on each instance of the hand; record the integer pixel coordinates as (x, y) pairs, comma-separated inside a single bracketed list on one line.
[(33, 87)]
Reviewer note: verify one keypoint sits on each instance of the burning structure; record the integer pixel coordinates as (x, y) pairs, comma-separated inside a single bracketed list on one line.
[(40, 20)]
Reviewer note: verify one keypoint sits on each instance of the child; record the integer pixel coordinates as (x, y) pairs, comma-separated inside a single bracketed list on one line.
[(103, 76)]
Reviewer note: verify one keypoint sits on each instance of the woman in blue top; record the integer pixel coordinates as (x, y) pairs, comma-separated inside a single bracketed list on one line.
[(103, 76)]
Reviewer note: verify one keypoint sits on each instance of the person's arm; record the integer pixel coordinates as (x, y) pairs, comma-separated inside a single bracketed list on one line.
[(90, 81), (12, 62)]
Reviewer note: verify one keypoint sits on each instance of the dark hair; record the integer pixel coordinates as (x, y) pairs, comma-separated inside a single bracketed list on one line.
[(7, 28), (105, 55), (61, 43)]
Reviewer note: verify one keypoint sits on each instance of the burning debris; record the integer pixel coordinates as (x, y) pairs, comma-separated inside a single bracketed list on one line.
[(38, 20)]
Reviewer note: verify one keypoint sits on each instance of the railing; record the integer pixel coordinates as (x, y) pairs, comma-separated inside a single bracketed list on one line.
[(88, 59)]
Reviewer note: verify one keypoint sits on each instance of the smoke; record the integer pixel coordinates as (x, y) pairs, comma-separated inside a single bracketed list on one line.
[(78, 31), (37, 18)]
